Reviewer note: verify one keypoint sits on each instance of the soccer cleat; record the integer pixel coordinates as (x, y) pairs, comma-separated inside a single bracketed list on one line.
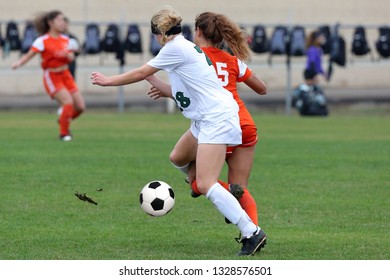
[(66, 138), (239, 240), (252, 244), (194, 194), (237, 191)]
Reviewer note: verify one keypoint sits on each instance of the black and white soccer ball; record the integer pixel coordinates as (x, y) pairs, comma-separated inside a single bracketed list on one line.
[(157, 198)]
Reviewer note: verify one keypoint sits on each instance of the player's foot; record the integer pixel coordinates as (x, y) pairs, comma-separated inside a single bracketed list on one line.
[(194, 194), (237, 191), (252, 244), (239, 240), (66, 138)]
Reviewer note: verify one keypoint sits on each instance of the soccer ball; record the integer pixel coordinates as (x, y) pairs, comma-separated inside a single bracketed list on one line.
[(157, 198)]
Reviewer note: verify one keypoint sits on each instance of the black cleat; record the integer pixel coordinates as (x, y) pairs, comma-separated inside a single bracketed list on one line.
[(194, 194), (253, 244), (237, 191), (239, 240)]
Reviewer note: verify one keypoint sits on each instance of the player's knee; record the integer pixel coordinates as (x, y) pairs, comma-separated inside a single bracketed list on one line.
[(80, 109), (175, 158)]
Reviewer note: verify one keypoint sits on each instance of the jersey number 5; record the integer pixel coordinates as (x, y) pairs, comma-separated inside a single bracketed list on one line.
[(223, 74)]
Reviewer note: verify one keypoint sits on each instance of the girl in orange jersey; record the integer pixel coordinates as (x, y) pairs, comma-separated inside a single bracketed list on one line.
[(56, 53), (210, 31)]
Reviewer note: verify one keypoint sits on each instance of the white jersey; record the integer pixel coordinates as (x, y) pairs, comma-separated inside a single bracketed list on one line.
[(195, 85)]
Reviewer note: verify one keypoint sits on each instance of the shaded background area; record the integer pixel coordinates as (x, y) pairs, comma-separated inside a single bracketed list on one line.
[(364, 79)]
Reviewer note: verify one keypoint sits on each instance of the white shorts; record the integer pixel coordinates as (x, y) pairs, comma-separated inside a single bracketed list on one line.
[(223, 132)]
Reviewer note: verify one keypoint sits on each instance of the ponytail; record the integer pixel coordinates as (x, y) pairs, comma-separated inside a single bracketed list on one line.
[(218, 28)]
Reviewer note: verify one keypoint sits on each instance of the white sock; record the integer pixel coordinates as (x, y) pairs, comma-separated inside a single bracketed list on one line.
[(228, 205), (246, 226), (183, 168)]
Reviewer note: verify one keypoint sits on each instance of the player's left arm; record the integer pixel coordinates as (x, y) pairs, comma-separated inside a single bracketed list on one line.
[(247, 76), (256, 84)]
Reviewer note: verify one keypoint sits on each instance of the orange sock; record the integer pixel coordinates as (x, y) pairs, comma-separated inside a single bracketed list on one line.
[(64, 120), (248, 203), (194, 186), (225, 185), (75, 114)]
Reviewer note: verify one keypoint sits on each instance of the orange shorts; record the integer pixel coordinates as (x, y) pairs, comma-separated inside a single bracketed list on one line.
[(249, 131), (56, 81), (249, 138)]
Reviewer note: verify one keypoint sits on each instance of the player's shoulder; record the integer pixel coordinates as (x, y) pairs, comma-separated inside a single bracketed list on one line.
[(178, 47), (39, 42), (64, 36), (42, 37), (219, 55)]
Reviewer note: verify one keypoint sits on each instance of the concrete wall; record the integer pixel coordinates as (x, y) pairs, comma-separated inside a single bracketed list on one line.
[(362, 73), (245, 11)]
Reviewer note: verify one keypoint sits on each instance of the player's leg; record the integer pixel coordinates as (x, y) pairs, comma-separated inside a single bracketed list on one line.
[(79, 104), (239, 168), (184, 152), (78, 99), (209, 162), (65, 100)]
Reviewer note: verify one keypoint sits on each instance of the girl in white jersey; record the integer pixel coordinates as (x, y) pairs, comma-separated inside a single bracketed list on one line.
[(211, 108)]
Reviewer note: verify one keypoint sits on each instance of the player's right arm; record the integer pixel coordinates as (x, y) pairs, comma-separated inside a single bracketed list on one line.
[(24, 59), (129, 77)]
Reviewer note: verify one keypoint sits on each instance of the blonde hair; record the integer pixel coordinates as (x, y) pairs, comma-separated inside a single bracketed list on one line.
[(164, 20), (218, 28)]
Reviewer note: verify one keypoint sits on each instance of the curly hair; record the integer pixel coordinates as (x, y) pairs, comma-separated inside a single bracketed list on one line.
[(218, 28)]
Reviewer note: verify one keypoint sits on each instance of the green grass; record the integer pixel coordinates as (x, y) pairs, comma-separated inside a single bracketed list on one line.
[(322, 186)]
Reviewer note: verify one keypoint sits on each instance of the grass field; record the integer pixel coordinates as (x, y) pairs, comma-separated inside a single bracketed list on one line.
[(322, 186)]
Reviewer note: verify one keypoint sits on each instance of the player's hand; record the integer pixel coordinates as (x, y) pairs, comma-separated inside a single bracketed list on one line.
[(154, 93), (99, 79), (16, 65)]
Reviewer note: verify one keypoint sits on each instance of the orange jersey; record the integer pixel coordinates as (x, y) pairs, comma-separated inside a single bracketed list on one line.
[(230, 71), (52, 49)]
